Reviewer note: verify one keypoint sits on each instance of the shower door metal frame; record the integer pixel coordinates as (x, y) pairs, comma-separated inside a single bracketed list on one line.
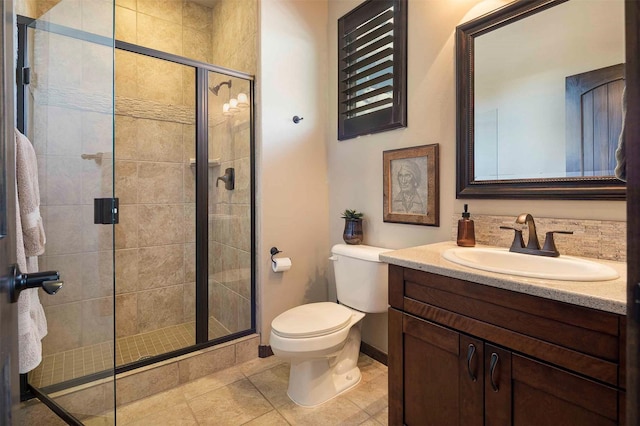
[(202, 198), (202, 201), (9, 387)]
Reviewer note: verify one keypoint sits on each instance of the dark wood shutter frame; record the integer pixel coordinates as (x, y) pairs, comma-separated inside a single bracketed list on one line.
[(372, 68)]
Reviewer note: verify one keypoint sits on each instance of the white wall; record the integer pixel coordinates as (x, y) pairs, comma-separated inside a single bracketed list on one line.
[(297, 212), (292, 199), (355, 165)]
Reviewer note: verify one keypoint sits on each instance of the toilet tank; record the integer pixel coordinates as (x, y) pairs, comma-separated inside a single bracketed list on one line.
[(361, 278)]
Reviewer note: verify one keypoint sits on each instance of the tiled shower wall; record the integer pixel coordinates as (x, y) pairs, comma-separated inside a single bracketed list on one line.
[(183, 28), (598, 239), (235, 34), (155, 138), (186, 29), (235, 46), (155, 238)]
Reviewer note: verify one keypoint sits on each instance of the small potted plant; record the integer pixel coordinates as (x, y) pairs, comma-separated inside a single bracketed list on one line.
[(352, 227)]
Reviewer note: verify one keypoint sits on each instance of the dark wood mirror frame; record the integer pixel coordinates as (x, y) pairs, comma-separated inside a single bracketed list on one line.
[(576, 188)]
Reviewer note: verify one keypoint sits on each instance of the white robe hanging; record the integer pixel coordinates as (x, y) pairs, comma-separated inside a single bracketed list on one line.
[(30, 241)]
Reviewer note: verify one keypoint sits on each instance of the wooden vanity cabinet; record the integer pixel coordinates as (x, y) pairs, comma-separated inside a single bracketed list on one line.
[(513, 359)]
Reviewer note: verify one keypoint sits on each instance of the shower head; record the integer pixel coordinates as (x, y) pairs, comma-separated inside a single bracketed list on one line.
[(216, 89)]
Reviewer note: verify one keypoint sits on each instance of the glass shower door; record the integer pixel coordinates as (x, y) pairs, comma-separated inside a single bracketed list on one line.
[(230, 206), (69, 120), (155, 183)]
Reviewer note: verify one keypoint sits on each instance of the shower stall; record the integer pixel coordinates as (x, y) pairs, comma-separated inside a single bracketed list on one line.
[(146, 175)]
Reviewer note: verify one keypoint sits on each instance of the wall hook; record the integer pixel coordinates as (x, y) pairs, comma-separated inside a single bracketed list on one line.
[(297, 119), (274, 251)]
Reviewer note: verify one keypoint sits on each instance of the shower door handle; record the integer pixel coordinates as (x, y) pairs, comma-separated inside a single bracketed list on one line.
[(48, 280)]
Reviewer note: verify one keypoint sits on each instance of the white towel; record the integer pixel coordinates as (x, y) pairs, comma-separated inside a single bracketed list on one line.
[(30, 240)]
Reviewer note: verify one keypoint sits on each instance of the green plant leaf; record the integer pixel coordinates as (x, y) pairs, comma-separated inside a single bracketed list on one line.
[(352, 214)]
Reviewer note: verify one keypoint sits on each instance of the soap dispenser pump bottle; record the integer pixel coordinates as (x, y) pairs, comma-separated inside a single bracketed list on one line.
[(466, 230)]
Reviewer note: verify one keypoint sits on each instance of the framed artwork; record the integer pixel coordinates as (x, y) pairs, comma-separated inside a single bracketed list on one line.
[(411, 188)]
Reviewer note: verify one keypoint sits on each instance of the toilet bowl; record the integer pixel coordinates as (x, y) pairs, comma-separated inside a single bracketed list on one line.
[(322, 340)]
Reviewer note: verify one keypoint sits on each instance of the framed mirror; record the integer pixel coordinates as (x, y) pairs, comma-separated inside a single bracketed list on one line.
[(539, 101)]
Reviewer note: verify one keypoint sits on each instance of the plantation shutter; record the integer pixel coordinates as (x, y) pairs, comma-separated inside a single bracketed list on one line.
[(372, 68)]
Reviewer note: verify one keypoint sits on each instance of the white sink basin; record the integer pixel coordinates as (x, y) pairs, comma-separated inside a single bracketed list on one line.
[(565, 268)]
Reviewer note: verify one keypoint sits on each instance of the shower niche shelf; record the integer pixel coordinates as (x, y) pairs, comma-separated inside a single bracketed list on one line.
[(212, 162)]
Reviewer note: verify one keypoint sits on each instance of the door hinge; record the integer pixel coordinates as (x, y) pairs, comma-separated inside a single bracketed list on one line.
[(105, 211), (26, 75)]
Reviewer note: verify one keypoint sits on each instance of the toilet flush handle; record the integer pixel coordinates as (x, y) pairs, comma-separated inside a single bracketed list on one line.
[(334, 258)]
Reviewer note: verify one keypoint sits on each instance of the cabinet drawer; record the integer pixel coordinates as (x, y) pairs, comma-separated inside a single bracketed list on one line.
[(537, 325), (586, 330)]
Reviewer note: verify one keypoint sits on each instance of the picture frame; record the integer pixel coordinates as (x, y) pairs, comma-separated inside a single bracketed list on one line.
[(411, 185)]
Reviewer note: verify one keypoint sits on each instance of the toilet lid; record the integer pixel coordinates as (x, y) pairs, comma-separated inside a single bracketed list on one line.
[(311, 320)]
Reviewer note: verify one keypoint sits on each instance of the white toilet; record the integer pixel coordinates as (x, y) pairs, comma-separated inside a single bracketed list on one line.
[(322, 340)]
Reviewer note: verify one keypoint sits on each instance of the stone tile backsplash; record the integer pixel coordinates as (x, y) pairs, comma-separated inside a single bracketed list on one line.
[(597, 239)]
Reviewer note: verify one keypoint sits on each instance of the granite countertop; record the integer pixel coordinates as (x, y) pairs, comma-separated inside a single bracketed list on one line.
[(610, 296)]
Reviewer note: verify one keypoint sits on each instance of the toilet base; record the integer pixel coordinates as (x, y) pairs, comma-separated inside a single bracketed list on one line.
[(324, 388), (315, 381)]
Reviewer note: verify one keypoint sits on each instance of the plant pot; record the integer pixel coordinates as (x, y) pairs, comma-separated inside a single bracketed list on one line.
[(352, 231)]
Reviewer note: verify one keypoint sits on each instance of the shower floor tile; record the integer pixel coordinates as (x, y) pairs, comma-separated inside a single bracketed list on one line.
[(76, 363)]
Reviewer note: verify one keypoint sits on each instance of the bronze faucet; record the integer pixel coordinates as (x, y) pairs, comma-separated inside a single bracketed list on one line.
[(533, 246), (527, 219)]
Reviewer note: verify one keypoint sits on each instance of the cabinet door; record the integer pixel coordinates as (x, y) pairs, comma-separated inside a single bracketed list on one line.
[(547, 396), (438, 381), (497, 386), (471, 381)]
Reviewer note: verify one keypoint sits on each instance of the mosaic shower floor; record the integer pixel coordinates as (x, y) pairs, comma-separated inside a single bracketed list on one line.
[(72, 364)]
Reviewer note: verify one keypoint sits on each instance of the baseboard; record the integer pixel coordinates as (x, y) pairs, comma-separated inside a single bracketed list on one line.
[(264, 351), (374, 353)]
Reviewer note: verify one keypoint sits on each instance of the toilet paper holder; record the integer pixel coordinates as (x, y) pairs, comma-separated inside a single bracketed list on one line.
[(280, 264), (274, 251)]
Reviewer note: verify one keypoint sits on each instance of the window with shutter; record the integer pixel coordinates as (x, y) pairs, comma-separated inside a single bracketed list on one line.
[(372, 68)]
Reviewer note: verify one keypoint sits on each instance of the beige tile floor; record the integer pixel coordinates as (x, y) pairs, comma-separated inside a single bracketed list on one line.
[(254, 393)]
